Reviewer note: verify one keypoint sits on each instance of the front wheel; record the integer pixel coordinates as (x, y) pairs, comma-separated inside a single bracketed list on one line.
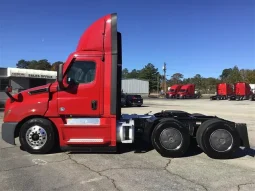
[(170, 138), (37, 136)]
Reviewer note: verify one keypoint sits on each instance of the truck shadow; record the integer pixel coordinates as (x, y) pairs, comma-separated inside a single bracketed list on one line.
[(144, 148), (244, 152), (240, 153)]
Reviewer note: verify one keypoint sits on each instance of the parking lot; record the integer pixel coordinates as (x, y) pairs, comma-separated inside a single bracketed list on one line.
[(137, 171)]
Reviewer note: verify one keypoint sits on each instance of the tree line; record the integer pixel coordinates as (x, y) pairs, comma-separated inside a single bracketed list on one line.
[(205, 85), (151, 73), (43, 64)]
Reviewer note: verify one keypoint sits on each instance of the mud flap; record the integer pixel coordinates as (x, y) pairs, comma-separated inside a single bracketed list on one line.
[(243, 133)]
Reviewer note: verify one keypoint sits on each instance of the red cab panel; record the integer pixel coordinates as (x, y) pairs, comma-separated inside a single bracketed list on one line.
[(224, 89), (174, 89), (187, 90), (82, 96), (242, 89)]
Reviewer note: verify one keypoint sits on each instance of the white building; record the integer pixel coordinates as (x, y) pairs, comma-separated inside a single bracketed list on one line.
[(21, 79), (135, 86)]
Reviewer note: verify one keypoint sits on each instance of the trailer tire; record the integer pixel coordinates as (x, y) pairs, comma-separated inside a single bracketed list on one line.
[(211, 133), (37, 136), (172, 133)]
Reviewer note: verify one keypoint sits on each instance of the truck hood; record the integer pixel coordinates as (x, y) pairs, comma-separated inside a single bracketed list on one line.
[(33, 101), (39, 89)]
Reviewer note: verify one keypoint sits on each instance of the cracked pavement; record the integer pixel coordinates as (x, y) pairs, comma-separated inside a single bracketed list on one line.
[(20, 170)]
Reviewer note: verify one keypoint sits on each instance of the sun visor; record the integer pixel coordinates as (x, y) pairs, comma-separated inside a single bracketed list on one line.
[(100, 35)]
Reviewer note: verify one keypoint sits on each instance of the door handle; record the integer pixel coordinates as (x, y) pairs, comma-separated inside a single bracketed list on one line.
[(94, 104)]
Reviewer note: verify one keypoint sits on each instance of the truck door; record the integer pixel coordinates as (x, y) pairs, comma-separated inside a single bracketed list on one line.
[(80, 105), (82, 96)]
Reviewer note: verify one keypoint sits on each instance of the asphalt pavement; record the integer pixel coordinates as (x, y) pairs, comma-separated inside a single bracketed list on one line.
[(132, 170)]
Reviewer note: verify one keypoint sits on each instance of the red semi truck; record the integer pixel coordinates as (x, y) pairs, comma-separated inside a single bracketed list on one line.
[(242, 91), (81, 110), (187, 91), (173, 91), (223, 91)]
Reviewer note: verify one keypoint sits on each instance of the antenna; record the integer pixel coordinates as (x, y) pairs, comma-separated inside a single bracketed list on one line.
[(164, 69)]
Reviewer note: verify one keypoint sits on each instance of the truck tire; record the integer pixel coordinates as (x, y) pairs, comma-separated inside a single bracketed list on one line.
[(200, 132), (217, 139), (170, 138), (37, 136)]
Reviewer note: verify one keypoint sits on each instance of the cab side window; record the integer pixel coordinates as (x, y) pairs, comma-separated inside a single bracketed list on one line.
[(81, 72)]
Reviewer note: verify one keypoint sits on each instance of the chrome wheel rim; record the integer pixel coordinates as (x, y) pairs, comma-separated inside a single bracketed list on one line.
[(221, 140), (171, 139), (36, 137)]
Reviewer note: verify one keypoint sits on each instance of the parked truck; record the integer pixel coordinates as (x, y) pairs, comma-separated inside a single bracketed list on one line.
[(188, 91), (81, 110), (172, 92), (223, 91), (242, 91)]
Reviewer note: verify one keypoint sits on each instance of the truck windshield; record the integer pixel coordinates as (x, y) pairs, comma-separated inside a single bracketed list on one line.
[(182, 90), (172, 90)]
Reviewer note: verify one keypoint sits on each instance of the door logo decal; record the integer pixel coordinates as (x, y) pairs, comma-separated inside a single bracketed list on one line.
[(62, 109)]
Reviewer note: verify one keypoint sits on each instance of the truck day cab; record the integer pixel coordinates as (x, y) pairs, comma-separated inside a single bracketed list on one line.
[(174, 89), (242, 91), (187, 91), (81, 110), (223, 91)]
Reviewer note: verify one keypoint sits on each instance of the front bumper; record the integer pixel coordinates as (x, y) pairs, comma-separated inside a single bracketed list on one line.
[(8, 130), (172, 95), (243, 133)]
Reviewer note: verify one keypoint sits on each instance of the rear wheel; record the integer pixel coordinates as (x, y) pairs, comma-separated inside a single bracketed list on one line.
[(37, 136), (217, 139), (170, 138)]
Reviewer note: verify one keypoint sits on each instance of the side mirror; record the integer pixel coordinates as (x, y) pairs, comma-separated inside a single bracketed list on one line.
[(8, 89), (60, 73)]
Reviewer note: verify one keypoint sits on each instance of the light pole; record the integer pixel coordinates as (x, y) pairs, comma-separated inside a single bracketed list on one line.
[(164, 70), (158, 84)]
